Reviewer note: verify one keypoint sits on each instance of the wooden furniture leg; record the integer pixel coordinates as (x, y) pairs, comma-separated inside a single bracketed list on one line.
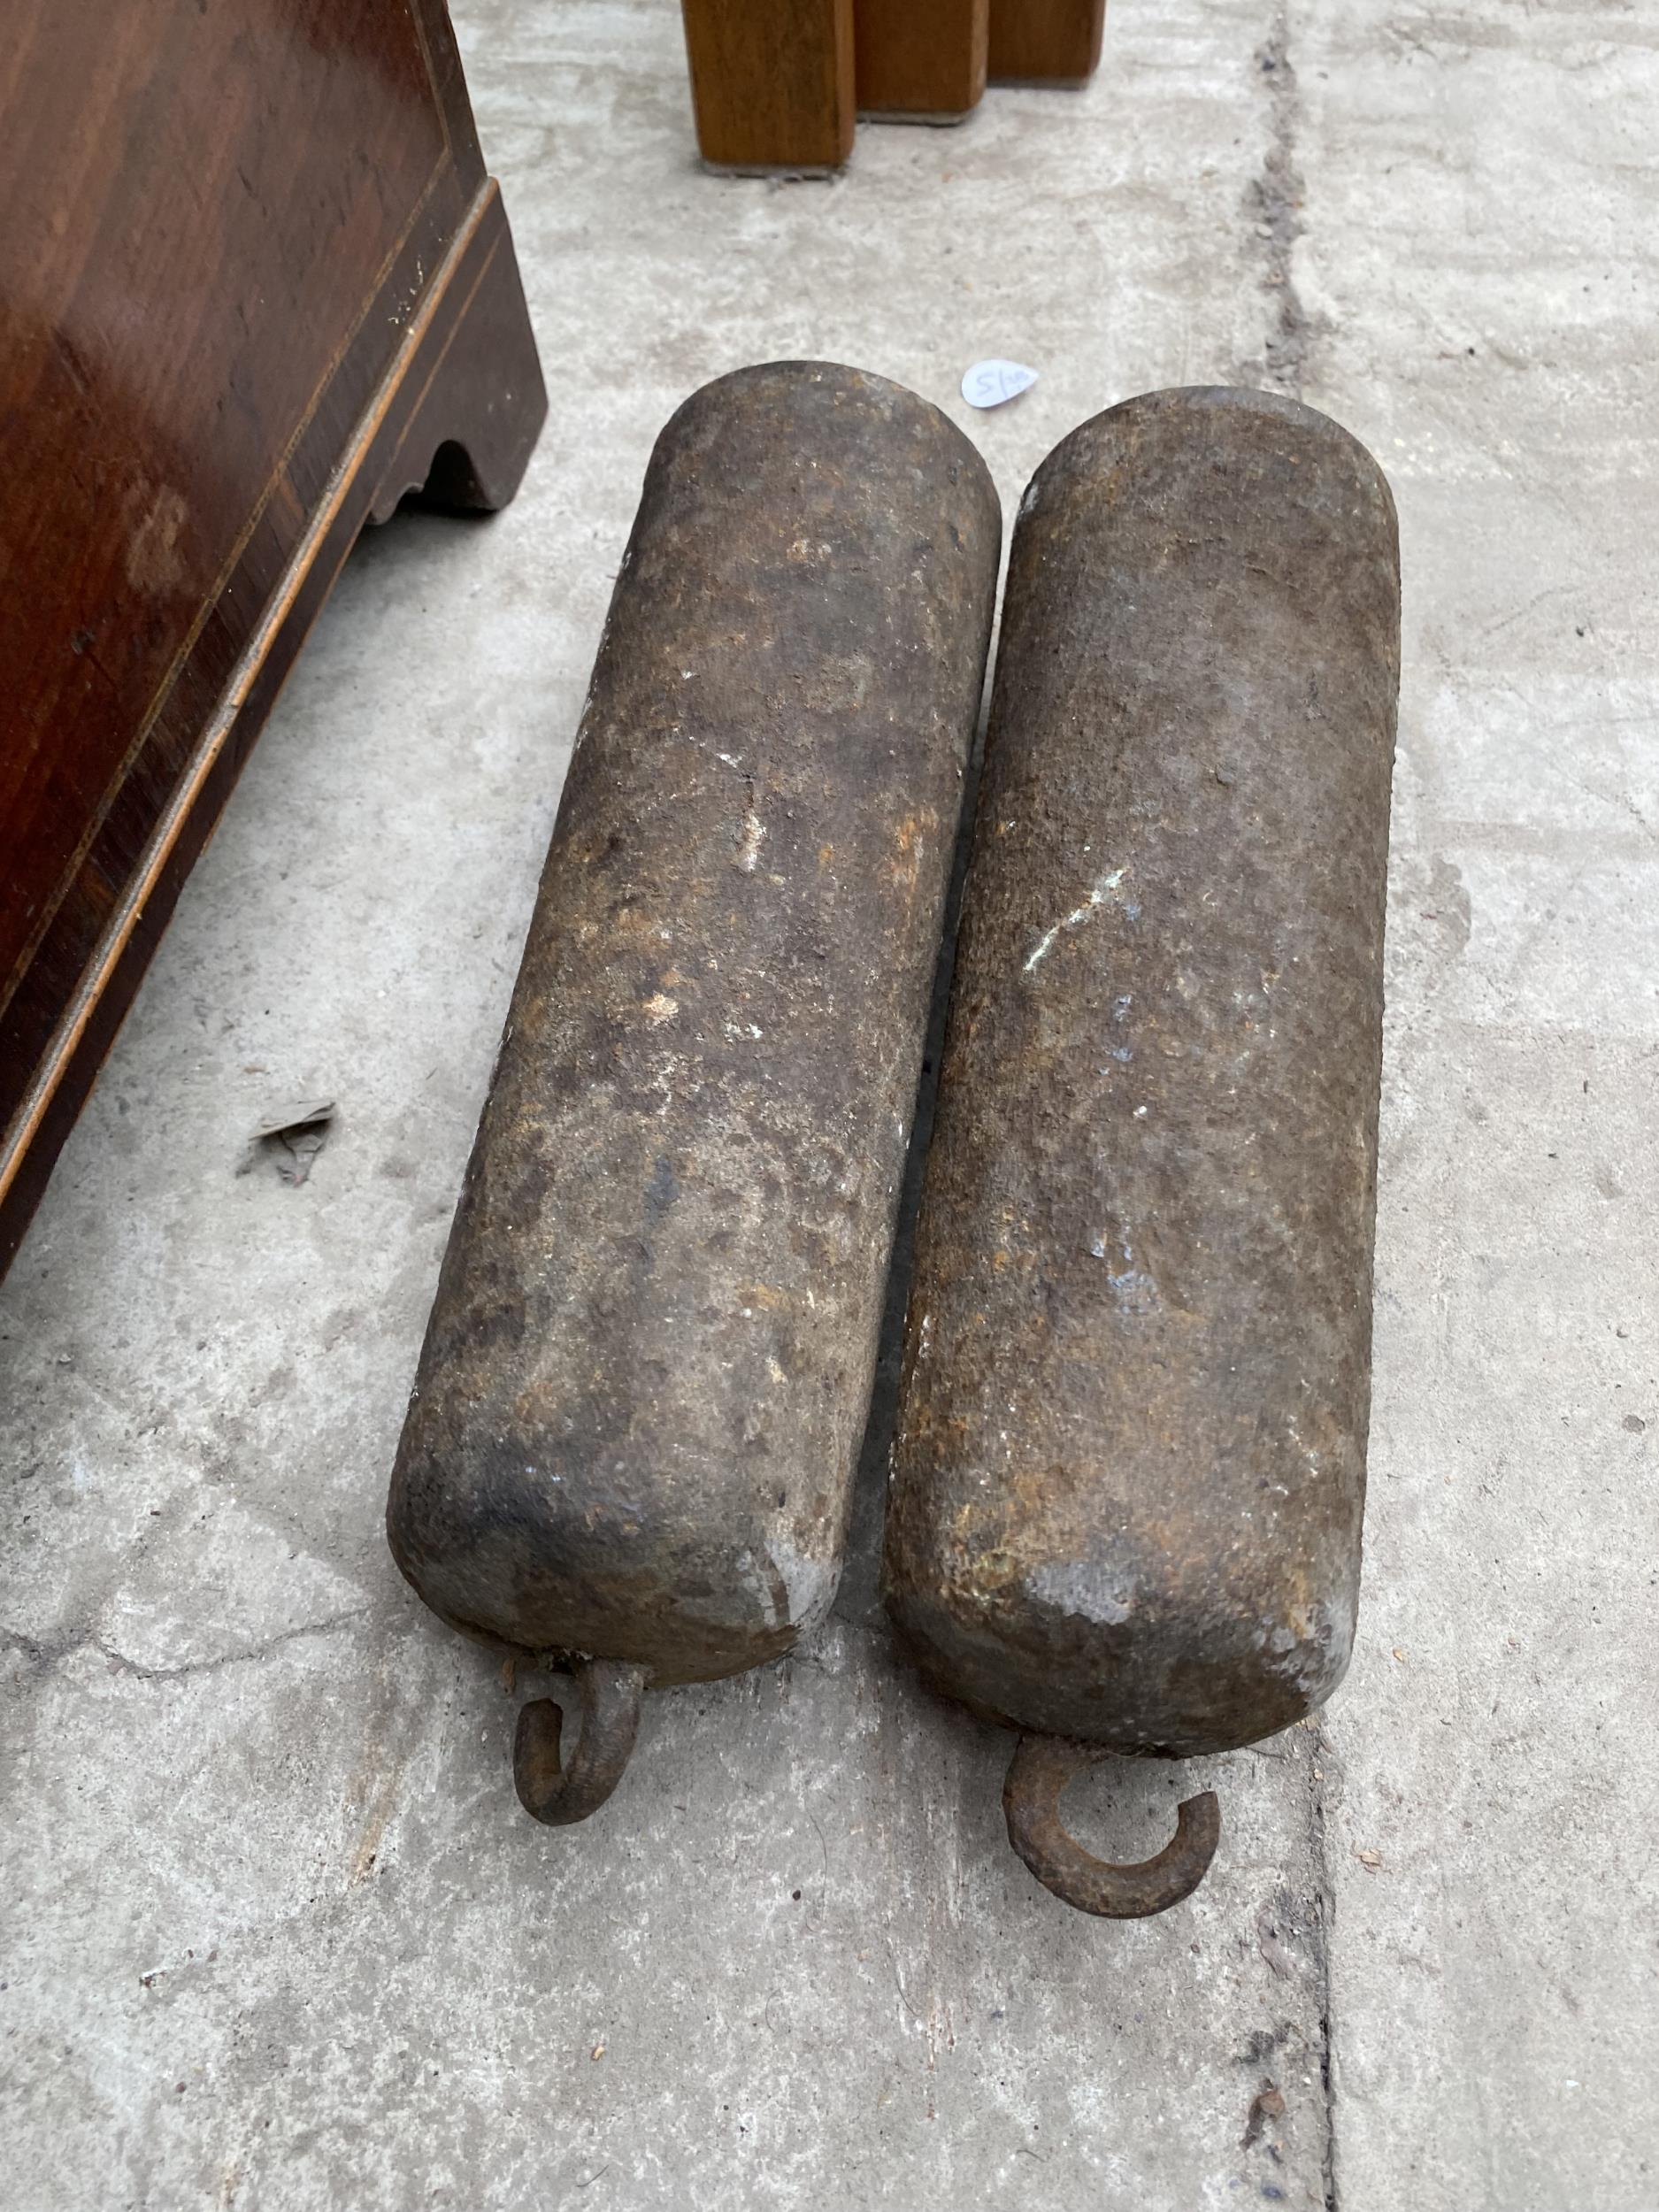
[(771, 83), (1046, 42), (467, 413), (920, 61)]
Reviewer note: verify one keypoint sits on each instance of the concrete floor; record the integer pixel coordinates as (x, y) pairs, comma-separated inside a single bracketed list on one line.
[(275, 1934)]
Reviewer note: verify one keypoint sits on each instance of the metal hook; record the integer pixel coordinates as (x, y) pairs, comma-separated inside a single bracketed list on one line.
[(609, 1690), (1040, 1768)]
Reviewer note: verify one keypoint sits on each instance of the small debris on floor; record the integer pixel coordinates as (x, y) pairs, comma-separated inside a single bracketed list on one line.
[(1267, 2104), (291, 1137)]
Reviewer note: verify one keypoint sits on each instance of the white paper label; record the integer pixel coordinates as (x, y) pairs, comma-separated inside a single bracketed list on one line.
[(988, 383)]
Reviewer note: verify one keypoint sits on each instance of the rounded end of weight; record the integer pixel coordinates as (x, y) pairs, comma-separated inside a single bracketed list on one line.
[(1041, 1768), (559, 1793)]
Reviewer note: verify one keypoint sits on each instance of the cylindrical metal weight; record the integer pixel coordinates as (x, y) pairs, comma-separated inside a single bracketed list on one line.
[(1130, 1469), (647, 1367)]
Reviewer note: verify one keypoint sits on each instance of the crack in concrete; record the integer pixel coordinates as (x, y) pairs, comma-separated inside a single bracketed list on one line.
[(44, 1655), (1275, 201), (1321, 1764)]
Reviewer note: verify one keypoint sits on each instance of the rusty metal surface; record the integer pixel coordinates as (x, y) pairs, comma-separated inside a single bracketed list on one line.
[(1130, 1473), (557, 1790), (649, 1358), (1038, 1776)]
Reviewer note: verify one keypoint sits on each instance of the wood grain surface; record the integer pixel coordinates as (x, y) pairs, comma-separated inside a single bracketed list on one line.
[(237, 236), (771, 82), (1046, 42), (921, 57)]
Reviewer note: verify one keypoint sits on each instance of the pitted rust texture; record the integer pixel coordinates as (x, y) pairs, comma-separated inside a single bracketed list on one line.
[(647, 1369), (1042, 1767), (1130, 1470), (557, 1791)]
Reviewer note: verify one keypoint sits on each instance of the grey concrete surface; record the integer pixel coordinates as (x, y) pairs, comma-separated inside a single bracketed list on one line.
[(274, 1934)]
